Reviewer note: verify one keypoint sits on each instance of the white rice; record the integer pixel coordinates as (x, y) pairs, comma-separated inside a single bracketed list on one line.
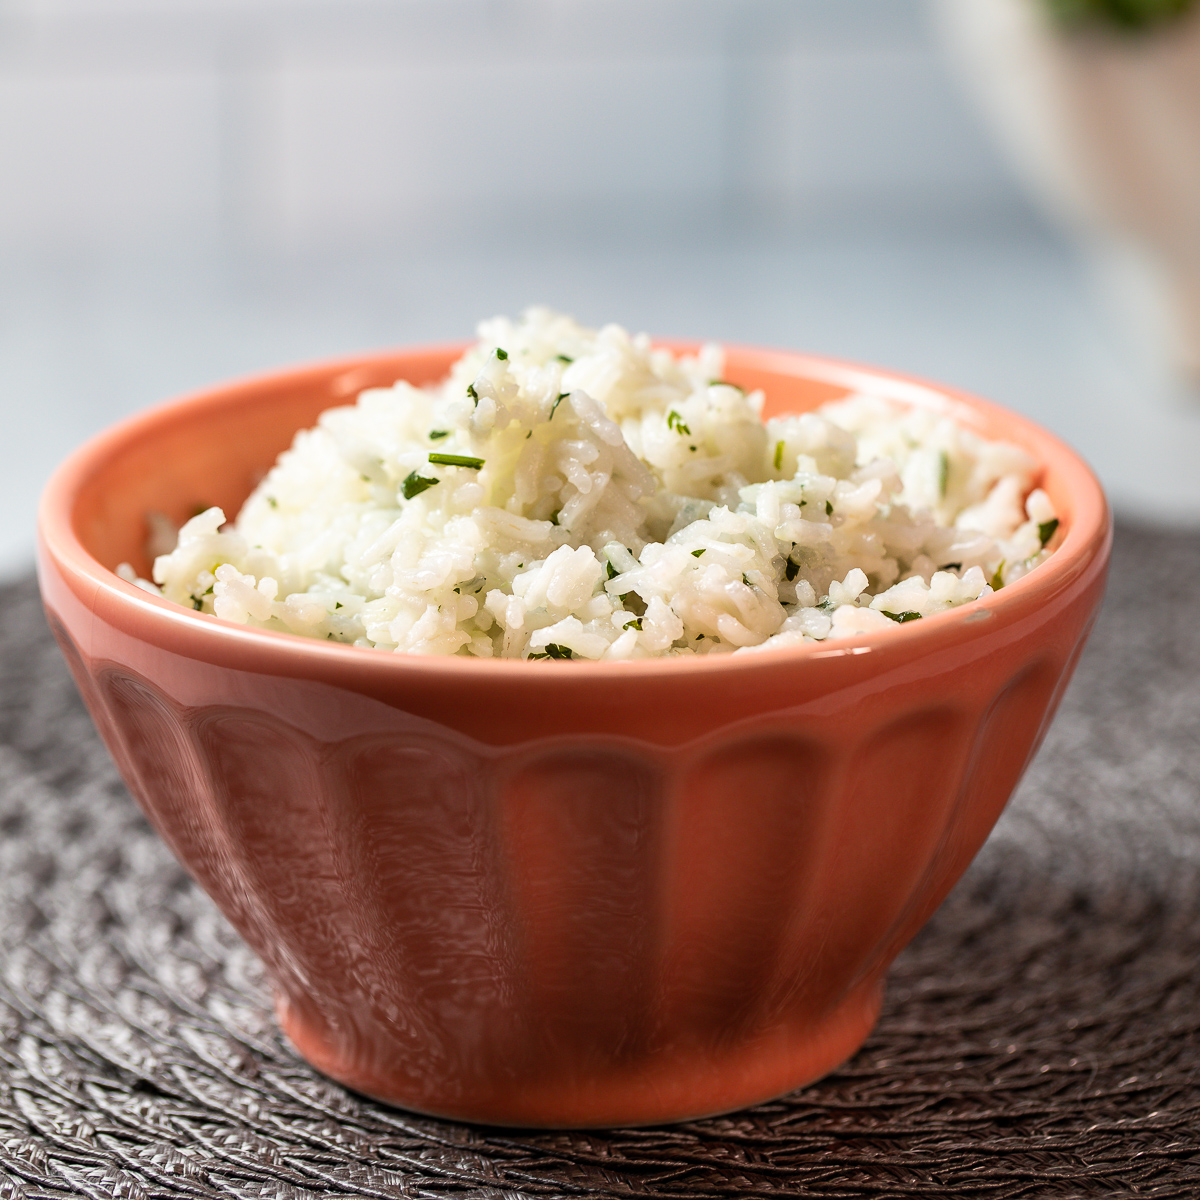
[(625, 504)]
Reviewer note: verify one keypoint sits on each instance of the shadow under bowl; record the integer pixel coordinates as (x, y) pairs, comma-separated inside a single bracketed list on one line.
[(557, 894)]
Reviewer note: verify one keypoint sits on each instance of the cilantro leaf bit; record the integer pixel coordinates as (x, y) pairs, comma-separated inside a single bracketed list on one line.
[(502, 355), (436, 435), (473, 393), (779, 456), (697, 553), (636, 623), (197, 603), (275, 504), (564, 358), (554, 650), (943, 473), (456, 460), (902, 618), (998, 578), (829, 508), (1046, 530), (746, 579), (561, 397), (676, 422), (415, 484), (610, 570)]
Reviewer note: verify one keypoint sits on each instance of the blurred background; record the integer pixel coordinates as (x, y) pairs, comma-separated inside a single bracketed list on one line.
[(196, 189)]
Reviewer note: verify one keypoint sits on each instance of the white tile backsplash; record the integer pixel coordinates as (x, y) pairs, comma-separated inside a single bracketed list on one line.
[(296, 127)]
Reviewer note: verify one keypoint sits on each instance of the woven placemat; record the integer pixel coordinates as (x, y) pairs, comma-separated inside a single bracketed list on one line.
[(1040, 1038)]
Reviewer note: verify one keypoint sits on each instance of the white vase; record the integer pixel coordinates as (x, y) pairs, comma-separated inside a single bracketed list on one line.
[(1104, 127)]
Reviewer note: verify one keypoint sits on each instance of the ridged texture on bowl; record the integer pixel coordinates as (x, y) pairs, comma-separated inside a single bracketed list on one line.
[(553, 894), (588, 930)]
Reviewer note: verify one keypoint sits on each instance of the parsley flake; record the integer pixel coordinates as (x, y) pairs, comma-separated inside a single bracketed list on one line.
[(564, 358), (611, 570), (561, 397), (697, 553), (943, 472), (275, 504), (1046, 530), (554, 650), (456, 460), (636, 623), (436, 435), (779, 456), (473, 393), (415, 484), (902, 618), (829, 508), (998, 578), (676, 422), (502, 355)]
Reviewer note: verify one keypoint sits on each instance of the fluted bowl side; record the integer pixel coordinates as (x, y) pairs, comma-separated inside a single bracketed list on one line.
[(557, 894)]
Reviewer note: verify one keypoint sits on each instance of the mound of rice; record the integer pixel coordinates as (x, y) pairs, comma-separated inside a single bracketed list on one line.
[(571, 493)]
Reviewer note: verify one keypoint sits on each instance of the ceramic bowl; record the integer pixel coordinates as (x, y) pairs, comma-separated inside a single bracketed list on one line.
[(557, 893)]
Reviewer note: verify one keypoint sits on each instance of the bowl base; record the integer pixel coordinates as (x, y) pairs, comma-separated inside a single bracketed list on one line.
[(704, 1083)]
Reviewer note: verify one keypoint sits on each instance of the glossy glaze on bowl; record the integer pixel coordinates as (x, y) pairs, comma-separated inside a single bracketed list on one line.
[(557, 893)]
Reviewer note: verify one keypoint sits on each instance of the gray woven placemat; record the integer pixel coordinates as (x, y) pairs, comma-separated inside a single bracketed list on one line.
[(1041, 1037)]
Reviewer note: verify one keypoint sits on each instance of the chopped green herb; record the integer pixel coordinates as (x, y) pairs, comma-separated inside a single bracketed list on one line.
[(473, 393), (1047, 529), (436, 435), (529, 435), (943, 472), (636, 623), (457, 591), (692, 449), (336, 605), (676, 422), (779, 456), (415, 484), (746, 579), (561, 397), (791, 570), (197, 603), (726, 383), (903, 617), (502, 355), (998, 578), (951, 567), (699, 636), (697, 553), (456, 460), (554, 650), (826, 605), (275, 504), (829, 508), (365, 478), (564, 358), (611, 570)]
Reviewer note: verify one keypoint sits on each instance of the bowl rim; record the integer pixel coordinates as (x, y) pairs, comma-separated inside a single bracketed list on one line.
[(1088, 535)]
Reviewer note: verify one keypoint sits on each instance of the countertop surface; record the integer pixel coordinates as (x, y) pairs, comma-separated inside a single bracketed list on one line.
[(1040, 1038)]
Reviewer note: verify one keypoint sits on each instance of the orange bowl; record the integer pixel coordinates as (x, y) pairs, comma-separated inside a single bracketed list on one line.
[(557, 894)]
